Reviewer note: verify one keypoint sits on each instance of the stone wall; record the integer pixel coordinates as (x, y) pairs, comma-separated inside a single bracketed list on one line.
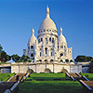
[(40, 67)]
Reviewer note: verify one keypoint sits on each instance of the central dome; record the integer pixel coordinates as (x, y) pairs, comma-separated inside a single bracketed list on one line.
[(47, 23)]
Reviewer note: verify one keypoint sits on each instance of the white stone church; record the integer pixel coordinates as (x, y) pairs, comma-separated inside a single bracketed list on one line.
[(48, 46)]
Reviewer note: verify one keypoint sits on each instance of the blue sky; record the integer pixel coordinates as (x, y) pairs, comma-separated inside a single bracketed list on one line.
[(18, 17)]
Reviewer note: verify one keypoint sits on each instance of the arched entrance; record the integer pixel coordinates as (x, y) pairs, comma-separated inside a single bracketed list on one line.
[(63, 70), (47, 70), (29, 71)]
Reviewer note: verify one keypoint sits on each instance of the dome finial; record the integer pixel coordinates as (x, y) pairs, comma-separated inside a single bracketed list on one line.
[(60, 30), (32, 31), (47, 11)]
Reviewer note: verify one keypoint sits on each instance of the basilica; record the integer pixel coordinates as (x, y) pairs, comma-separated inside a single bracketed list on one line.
[(48, 46)]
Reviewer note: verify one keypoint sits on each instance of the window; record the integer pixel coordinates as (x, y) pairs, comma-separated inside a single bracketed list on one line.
[(31, 55), (50, 39), (51, 53), (28, 47), (53, 40), (45, 50), (61, 55), (41, 39), (61, 46), (31, 47), (40, 53)]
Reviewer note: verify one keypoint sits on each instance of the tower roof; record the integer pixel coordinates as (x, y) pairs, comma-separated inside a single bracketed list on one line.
[(47, 23), (32, 39), (61, 38)]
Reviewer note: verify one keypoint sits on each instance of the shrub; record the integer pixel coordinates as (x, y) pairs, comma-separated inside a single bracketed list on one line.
[(61, 60), (71, 60), (67, 60)]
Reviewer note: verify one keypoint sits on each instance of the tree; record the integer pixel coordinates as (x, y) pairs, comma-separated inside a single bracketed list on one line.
[(1, 47), (67, 60), (3, 56), (15, 57), (82, 58), (25, 58), (61, 60), (71, 60), (8, 57)]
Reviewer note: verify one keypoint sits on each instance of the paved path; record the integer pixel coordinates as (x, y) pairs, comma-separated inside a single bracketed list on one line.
[(76, 76), (79, 77), (89, 83), (10, 83)]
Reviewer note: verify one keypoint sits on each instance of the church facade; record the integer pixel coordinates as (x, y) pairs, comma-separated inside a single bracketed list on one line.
[(48, 47)]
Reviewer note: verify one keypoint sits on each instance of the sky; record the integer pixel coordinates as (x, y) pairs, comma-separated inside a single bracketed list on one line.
[(18, 17)]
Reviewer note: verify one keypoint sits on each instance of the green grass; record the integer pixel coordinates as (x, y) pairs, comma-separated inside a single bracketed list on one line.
[(88, 75), (47, 76), (6, 76), (50, 86)]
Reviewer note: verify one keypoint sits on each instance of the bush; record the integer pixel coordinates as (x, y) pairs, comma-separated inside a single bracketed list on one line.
[(61, 60), (29, 60), (67, 60), (71, 60)]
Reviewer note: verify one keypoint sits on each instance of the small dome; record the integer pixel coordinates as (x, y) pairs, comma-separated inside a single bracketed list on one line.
[(61, 38), (32, 39), (47, 23)]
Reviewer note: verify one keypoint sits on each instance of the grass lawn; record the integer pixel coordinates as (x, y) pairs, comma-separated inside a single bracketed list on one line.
[(5, 76), (49, 85), (88, 75), (47, 76)]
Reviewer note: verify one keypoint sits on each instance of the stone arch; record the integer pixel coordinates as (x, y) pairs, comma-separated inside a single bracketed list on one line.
[(47, 70), (40, 60), (46, 60), (29, 71), (51, 60), (63, 70)]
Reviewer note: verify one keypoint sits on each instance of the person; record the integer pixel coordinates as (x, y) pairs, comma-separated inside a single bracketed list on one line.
[(17, 77)]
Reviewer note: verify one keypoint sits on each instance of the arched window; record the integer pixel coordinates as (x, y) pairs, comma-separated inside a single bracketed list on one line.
[(61, 46), (40, 53), (31, 55), (31, 47), (53, 40), (46, 41), (61, 54), (64, 46), (41, 39), (51, 52), (45, 50), (50, 39)]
